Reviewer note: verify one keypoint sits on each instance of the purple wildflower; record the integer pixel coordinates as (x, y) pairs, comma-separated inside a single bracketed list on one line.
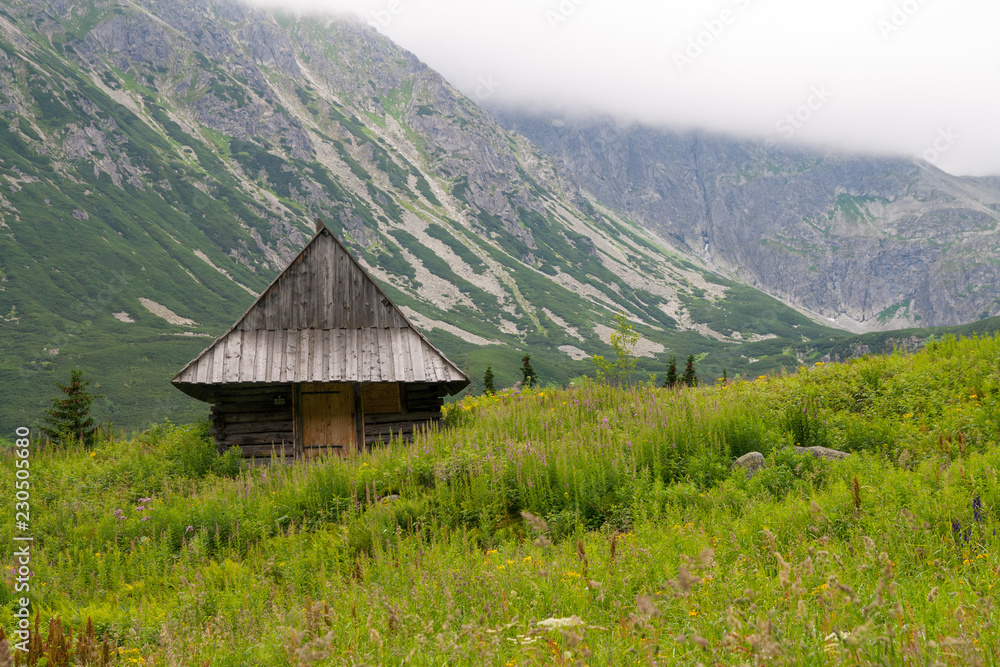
[(145, 518), (977, 509)]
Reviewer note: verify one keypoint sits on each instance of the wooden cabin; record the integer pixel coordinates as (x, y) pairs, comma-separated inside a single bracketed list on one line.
[(322, 362)]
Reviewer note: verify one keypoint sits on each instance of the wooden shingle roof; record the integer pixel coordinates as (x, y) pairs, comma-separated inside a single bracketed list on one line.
[(322, 320)]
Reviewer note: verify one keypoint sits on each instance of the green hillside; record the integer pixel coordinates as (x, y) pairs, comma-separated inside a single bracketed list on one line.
[(584, 526)]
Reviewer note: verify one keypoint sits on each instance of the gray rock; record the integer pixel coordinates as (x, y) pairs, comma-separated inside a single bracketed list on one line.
[(894, 249), (822, 452), (751, 462)]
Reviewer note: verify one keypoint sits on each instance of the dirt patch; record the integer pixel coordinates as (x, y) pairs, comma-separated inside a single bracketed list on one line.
[(575, 353), (166, 313)]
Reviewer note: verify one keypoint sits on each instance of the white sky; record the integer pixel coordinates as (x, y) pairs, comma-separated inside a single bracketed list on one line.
[(892, 76)]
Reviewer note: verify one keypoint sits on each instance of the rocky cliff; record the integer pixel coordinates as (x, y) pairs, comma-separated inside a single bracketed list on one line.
[(867, 243)]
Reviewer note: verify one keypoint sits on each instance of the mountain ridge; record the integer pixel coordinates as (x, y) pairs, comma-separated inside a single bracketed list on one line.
[(703, 191)]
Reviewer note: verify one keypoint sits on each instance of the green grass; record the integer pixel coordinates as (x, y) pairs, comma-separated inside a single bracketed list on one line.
[(591, 525)]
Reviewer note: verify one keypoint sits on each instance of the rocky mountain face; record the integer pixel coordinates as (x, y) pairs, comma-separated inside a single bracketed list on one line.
[(162, 160), (867, 243)]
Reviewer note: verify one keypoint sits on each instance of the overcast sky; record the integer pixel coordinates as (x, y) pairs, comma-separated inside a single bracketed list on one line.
[(911, 77)]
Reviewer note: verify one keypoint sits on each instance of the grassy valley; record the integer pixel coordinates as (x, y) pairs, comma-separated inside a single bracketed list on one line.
[(589, 525)]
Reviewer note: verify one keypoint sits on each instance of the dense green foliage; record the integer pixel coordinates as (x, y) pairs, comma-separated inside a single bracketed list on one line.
[(590, 524)]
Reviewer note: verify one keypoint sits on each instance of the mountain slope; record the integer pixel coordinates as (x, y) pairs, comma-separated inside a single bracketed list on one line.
[(162, 160), (869, 243)]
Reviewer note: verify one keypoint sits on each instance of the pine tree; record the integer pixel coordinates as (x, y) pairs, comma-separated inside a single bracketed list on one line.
[(488, 381), (671, 380), (69, 420), (690, 378), (528, 376)]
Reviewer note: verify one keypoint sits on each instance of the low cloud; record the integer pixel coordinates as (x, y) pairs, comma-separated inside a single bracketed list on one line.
[(898, 72)]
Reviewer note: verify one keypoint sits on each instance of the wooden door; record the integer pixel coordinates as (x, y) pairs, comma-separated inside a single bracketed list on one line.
[(328, 420)]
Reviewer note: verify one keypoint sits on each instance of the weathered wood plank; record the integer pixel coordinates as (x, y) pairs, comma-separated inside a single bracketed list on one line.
[(358, 309), (236, 391), (396, 350), (276, 355), (234, 410), (248, 355), (266, 451), (261, 427), (335, 355), (327, 301), (339, 311), (356, 358), (317, 369), (385, 371), (303, 369), (312, 274), (263, 357), (218, 360), (260, 439), (292, 352), (268, 307), (431, 390), (399, 417), (371, 304), (369, 353), (231, 362), (258, 416), (415, 357)]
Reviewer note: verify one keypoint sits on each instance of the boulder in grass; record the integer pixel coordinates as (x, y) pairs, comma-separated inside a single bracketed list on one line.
[(751, 462), (822, 452)]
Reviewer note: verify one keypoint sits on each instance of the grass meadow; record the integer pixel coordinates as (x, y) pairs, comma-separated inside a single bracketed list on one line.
[(583, 526)]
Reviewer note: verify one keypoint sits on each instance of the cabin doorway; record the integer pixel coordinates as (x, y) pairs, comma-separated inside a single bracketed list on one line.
[(328, 419)]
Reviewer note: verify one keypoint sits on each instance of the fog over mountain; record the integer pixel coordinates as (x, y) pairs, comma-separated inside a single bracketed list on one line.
[(890, 76)]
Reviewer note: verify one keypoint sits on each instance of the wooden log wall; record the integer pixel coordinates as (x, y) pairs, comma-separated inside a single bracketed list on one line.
[(260, 420), (421, 408), (257, 419)]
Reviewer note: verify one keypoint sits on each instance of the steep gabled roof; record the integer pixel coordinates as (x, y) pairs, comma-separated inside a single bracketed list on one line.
[(322, 320)]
